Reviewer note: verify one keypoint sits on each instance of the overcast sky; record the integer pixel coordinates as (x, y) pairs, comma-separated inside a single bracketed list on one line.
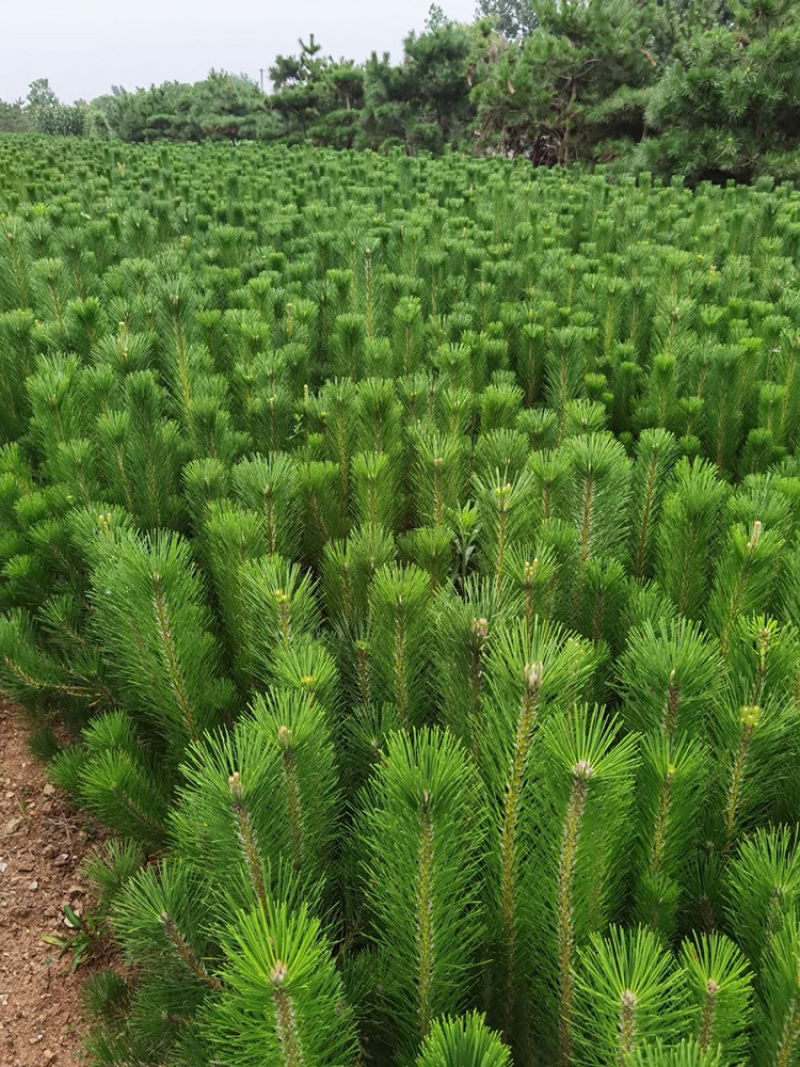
[(86, 46)]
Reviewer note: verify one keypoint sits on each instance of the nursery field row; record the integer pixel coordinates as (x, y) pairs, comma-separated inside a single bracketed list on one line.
[(402, 558)]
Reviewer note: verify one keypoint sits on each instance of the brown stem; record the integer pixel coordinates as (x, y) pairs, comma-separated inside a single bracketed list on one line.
[(425, 931), (582, 774), (508, 832), (247, 838), (184, 950), (293, 796), (285, 1022)]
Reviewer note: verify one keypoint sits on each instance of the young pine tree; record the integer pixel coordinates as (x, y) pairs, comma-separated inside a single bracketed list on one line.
[(531, 677), (718, 986), (152, 621), (671, 788), (282, 1001), (578, 825), (626, 994), (423, 826), (399, 641), (260, 804), (463, 1041)]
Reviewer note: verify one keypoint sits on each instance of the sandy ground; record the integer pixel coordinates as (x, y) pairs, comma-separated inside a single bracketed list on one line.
[(43, 841)]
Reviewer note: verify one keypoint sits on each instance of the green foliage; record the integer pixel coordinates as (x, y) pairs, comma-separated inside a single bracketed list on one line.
[(463, 1041), (266, 797), (283, 1000), (764, 874), (578, 79), (150, 612), (719, 994), (581, 816), (776, 1035), (423, 825), (399, 556), (726, 104), (695, 91), (671, 785), (513, 18), (221, 107), (686, 1054), (625, 996)]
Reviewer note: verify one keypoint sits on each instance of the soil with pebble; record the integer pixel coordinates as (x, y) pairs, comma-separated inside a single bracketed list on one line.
[(43, 841)]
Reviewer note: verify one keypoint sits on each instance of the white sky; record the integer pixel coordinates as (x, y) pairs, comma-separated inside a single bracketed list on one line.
[(86, 46)]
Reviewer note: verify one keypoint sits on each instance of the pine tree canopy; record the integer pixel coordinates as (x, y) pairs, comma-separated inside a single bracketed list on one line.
[(693, 89)]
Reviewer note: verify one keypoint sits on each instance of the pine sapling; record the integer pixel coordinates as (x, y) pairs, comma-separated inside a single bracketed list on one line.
[(152, 620), (761, 887), (626, 994), (398, 639), (282, 1002), (463, 1041), (423, 826), (671, 787), (718, 989), (577, 824)]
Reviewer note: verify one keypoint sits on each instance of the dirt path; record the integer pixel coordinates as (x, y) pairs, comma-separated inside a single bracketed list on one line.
[(42, 843)]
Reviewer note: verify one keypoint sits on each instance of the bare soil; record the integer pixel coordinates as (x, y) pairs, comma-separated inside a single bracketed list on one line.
[(43, 841)]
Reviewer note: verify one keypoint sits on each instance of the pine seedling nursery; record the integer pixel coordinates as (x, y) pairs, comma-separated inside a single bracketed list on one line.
[(401, 559)]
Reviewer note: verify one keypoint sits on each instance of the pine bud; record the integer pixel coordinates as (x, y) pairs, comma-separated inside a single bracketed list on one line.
[(583, 770), (533, 675), (754, 537)]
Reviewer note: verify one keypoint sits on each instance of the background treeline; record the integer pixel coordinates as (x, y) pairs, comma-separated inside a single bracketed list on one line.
[(706, 89)]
